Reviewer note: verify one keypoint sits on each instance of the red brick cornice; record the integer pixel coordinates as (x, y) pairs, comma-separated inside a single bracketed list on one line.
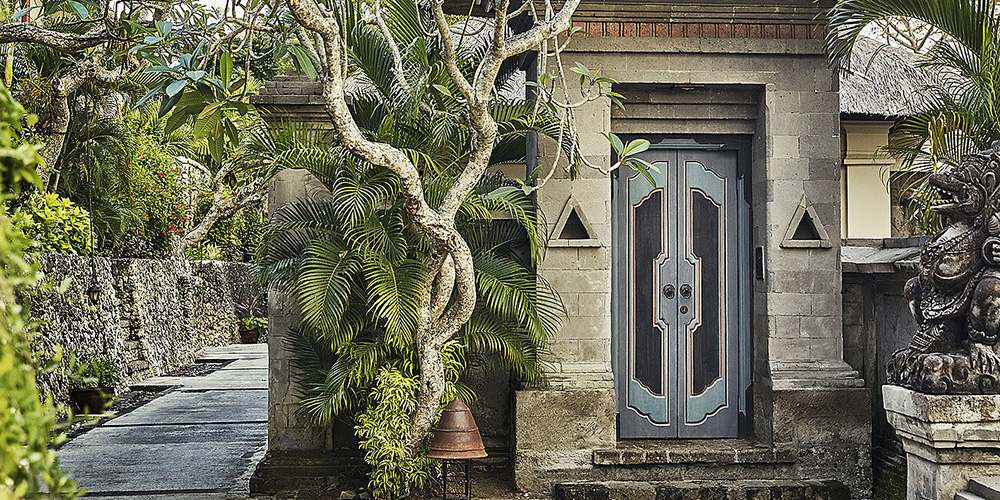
[(702, 30)]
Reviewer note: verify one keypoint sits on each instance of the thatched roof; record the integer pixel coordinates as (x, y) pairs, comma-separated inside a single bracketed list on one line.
[(884, 81)]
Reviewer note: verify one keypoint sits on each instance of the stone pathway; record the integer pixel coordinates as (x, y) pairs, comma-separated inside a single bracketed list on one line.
[(200, 440)]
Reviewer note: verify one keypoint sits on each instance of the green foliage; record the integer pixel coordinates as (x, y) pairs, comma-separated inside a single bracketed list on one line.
[(233, 238), (382, 429), (54, 224), (354, 263), (94, 373), (961, 116), (254, 323), (26, 423), (159, 195)]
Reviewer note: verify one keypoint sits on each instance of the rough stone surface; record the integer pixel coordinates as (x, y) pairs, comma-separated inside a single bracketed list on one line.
[(152, 316), (948, 439), (703, 490)]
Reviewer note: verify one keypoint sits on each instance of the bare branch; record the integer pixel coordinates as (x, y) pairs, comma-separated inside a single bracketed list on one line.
[(448, 44), (59, 109), (542, 31), (63, 42)]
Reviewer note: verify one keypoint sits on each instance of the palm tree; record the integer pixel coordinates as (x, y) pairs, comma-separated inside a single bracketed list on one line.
[(353, 263), (960, 117)]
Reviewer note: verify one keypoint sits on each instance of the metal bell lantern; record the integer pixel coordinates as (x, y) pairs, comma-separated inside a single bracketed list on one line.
[(455, 442)]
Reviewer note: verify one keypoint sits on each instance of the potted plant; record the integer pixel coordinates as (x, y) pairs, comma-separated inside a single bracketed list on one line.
[(250, 325), (92, 384), (251, 328)]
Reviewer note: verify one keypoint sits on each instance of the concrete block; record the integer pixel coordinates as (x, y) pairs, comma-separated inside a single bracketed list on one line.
[(580, 327), (789, 304), (783, 146), (595, 258), (595, 304)]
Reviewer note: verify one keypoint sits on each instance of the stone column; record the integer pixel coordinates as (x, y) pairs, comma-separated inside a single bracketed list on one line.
[(948, 439)]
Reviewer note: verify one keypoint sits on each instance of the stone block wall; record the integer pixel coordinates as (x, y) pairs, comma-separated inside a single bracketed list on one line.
[(790, 117), (877, 322), (152, 316)]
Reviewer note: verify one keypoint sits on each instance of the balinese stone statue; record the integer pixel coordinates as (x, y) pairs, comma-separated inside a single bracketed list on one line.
[(956, 296)]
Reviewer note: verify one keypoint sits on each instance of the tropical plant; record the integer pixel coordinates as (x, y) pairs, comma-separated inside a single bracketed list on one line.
[(27, 461), (354, 263), (54, 224), (960, 117), (253, 323), (93, 373)]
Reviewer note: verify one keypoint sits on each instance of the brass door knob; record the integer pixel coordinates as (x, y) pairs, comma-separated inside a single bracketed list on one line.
[(686, 291), (668, 291)]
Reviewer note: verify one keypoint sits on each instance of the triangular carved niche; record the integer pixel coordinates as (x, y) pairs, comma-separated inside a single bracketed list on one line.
[(573, 229), (806, 230)]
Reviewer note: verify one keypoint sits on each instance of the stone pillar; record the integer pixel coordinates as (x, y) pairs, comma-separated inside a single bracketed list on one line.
[(948, 439), (299, 456), (558, 427)]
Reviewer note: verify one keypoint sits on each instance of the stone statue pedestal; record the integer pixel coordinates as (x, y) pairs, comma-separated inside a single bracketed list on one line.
[(948, 439)]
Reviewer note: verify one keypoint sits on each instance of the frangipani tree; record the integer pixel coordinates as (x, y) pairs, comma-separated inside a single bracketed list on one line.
[(184, 48), (446, 293)]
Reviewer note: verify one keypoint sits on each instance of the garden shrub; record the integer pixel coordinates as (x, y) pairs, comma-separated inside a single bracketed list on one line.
[(159, 195), (382, 429), (233, 238), (54, 224), (26, 423)]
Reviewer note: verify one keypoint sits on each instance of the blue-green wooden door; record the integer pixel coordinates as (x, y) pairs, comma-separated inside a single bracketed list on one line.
[(677, 284)]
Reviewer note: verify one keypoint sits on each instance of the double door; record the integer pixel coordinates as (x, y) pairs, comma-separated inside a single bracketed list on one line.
[(678, 302)]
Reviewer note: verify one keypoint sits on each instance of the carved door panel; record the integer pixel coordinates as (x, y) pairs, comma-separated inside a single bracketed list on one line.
[(677, 296)]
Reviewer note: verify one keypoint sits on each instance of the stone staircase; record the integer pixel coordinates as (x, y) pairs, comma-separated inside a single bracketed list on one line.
[(138, 368), (691, 460), (984, 488), (697, 470), (703, 490)]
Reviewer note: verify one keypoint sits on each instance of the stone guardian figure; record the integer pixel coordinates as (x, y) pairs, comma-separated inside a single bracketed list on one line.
[(955, 298)]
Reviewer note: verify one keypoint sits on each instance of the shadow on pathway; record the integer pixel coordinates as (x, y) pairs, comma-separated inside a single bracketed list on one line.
[(201, 440)]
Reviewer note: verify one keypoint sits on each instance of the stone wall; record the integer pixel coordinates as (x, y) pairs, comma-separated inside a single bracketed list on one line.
[(152, 316), (877, 322)]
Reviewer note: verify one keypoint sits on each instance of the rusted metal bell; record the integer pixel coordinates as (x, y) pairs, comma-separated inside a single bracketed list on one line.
[(457, 436)]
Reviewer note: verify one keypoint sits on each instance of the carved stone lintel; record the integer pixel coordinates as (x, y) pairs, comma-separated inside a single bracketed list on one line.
[(940, 373)]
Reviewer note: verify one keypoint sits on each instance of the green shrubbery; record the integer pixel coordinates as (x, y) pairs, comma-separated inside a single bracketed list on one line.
[(26, 423), (54, 224), (234, 238), (159, 195)]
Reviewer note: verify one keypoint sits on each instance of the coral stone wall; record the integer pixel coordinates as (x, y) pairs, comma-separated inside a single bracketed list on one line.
[(152, 316)]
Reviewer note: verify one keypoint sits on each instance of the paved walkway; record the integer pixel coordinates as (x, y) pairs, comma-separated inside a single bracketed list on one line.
[(199, 441)]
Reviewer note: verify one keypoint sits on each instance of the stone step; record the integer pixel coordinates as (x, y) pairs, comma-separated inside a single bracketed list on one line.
[(685, 490), (967, 495), (138, 365), (986, 487), (692, 460)]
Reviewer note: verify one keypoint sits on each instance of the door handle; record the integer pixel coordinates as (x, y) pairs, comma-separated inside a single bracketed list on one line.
[(686, 291), (668, 291)]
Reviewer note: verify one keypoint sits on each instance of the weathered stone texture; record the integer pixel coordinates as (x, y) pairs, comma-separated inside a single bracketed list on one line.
[(152, 316), (948, 439)]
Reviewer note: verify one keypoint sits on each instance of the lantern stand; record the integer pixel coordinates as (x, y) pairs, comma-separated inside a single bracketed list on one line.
[(94, 291), (456, 442)]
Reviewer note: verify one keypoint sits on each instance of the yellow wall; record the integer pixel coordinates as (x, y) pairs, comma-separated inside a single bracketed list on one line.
[(866, 204)]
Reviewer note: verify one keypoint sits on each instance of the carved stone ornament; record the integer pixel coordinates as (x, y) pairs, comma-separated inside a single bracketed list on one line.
[(956, 296)]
